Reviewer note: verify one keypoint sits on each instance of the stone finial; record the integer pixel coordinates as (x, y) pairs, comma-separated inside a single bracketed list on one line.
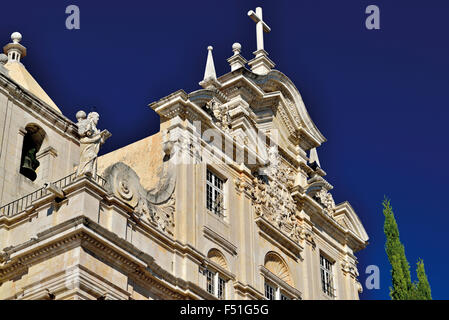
[(15, 50), (236, 48), (313, 158), (16, 37), (210, 66), (210, 77), (236, 61)]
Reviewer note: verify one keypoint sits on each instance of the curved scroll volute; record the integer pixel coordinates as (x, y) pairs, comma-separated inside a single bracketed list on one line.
[(157, 204)]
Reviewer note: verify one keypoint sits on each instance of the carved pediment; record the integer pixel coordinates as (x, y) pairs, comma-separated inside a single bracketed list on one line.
[(346, 217), (292, 108)]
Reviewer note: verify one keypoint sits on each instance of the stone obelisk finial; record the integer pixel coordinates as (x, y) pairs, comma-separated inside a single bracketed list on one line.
[(210, 77)]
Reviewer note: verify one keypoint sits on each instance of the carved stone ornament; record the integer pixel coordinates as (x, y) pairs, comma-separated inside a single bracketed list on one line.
[(327, 201), (242, 185), (155, 206), (348, 268), (272, 199), (319, 189), (220, 114)]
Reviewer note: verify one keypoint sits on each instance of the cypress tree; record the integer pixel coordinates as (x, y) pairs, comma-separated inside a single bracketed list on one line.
[(403, 288), (400, 272), (423, 286)]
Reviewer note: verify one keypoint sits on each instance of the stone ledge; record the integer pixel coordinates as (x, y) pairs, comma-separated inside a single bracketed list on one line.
[(81, 231)]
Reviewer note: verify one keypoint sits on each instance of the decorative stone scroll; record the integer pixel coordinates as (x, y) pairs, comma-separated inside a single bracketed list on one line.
[(156, 206), (348, 268)]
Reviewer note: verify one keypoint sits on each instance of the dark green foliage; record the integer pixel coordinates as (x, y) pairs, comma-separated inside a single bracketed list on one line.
[(403, 288)]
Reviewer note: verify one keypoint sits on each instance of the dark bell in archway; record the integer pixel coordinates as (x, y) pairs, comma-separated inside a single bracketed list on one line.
[(30, 164)]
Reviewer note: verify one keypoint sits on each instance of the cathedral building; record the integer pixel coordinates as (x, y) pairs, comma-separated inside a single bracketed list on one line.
[(227, 201)]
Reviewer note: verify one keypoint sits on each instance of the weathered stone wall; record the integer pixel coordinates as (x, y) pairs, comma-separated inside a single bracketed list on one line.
[(58, 155)]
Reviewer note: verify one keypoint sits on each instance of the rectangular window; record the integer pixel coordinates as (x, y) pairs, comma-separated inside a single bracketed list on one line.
[(326, 277), (283, 297), (214, 193), (210, 282), (269, 292), (221, 288)]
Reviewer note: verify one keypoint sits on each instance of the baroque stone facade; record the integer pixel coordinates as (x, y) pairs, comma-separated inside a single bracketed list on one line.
[(227, 201)]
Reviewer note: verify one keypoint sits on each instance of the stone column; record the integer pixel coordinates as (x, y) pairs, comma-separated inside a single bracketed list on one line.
[(19, 146), (46, 158), (244, 224)]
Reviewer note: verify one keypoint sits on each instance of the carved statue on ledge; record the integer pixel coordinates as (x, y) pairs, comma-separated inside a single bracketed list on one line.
[(90, 141)]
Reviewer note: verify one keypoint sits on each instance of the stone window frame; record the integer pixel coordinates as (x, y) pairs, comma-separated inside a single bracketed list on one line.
[(215, 281), (211, 184), (282, 288), (217, 273), (277, 292), (330, 293)]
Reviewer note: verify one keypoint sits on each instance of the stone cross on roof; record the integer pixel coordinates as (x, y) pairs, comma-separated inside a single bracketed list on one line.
[(261, 26), (261, 64)]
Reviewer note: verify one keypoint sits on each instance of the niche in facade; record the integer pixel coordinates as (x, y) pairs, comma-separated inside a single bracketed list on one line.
[(32, 143)]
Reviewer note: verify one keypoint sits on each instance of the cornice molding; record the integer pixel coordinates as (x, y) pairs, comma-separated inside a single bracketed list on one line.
[(219, 240), (83, 232), (269, 231), (40, 109), (291, 291)]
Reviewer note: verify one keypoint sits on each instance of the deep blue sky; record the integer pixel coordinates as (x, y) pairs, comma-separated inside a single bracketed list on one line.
[(380, 97)]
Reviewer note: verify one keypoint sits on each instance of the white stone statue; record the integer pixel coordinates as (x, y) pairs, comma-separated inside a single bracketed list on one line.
[(90, 141)]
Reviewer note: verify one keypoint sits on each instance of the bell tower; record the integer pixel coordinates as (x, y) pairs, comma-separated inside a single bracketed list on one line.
[(38, 144)]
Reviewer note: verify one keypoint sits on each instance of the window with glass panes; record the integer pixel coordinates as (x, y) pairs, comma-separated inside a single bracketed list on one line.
[(215, 284), (284, 297), (221, 288), (210, 277), (273, 292), (327, 277), (214, 193), (269, 292)]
